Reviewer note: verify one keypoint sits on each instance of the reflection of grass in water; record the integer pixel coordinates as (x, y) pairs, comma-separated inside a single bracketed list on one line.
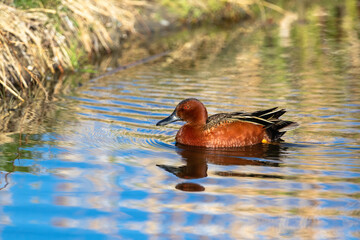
[(13, 157), (10, 162)]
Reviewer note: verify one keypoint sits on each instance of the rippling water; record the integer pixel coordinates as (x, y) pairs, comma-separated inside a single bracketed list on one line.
[(99, 168)]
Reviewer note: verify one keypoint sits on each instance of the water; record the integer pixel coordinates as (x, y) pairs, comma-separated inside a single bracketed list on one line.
[(97, 167)]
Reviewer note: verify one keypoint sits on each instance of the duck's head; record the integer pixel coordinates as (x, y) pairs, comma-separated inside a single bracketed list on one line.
[(189, 110)]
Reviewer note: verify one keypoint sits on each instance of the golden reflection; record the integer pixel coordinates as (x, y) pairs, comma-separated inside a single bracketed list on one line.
[(64, 222), (66, 187), (102, 224), (106, 225), (67, 201)]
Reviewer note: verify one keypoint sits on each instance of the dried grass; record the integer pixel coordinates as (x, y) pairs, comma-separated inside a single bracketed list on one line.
[(36, 41)]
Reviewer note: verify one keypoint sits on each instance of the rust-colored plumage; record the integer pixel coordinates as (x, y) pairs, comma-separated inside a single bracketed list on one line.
[(234, 129)]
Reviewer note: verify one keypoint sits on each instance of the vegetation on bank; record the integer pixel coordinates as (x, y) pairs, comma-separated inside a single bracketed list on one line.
[(40, 36)]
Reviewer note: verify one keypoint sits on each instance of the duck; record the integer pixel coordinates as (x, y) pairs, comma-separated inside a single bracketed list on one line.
[(226, 130)]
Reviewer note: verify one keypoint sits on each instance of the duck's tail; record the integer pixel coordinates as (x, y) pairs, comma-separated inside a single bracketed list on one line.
[(278, 127)]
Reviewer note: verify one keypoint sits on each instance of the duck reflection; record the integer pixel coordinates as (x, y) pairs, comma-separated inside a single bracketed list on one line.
[(196, 162), (190, 187)]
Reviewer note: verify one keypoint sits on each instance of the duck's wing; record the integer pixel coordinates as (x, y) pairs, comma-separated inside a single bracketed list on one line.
[(262, 117), (271, 113), (268, 118), (217, 119)]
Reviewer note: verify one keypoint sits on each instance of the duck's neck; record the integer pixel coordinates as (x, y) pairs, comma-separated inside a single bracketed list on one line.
[(199, 119)]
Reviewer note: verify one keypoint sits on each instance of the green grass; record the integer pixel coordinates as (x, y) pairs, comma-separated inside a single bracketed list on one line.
[(27, 4)]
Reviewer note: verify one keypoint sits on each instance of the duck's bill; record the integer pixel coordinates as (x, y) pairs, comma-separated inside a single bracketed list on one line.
[(169, 119)]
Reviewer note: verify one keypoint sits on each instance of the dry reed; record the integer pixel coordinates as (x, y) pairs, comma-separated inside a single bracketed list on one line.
[(36, 41)]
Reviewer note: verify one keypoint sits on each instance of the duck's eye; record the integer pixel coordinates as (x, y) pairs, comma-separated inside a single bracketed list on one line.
[(186, 107)]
